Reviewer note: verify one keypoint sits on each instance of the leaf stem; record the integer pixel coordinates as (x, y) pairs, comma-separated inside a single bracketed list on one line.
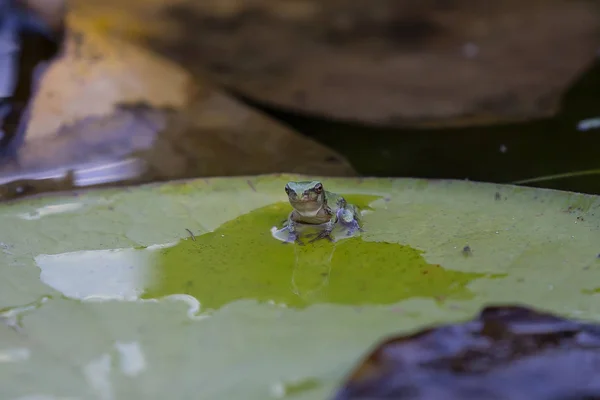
[(558, 176)]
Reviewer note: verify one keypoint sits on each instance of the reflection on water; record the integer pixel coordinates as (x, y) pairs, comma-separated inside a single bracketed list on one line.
[(109, 172), (77, 176), (94, 151), (29, 40), (241, 260), (312, 271), (138, 144)]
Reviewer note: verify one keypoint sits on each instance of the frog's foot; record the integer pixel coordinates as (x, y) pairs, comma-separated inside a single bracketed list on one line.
[(325, 234), (294, 238), (353, 226), (348, 220)]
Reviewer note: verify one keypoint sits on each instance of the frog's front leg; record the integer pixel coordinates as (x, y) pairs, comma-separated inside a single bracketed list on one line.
[(353, 227), (326, 232), (348, 217), (291, 227)]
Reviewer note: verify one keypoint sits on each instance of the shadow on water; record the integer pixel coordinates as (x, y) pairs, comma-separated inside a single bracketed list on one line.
[(502, 153)]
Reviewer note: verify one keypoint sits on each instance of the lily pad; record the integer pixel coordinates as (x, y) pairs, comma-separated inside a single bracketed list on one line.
[(107, 295)]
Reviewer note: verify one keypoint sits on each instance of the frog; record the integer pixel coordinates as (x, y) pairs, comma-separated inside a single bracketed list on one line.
[(313, 205)]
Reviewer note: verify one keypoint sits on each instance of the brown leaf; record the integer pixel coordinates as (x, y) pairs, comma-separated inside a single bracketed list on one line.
[(505, 353), (106, 101), (388, 62)]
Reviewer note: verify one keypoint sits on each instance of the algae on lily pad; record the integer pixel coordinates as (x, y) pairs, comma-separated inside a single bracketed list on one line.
[(179, 290)]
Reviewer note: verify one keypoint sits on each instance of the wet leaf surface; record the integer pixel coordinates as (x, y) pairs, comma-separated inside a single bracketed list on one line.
[(105, 294), (504, 353), (321, 273)]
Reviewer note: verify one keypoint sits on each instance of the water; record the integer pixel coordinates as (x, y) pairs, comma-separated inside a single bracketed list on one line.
[(501, 153)]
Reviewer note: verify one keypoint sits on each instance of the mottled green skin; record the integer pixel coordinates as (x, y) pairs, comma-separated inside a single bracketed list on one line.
[(314, 205)]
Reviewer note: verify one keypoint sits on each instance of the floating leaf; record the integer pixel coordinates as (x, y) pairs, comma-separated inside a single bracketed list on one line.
[(179, 290), (504, 353)]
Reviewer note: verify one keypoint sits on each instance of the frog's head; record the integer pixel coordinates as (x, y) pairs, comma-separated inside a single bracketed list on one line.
[(306, 196)]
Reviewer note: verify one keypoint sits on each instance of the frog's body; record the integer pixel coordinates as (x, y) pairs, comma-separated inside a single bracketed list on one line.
[(315, 206)]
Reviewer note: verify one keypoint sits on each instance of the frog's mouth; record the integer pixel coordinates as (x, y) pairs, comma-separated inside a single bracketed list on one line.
[(304, 205)]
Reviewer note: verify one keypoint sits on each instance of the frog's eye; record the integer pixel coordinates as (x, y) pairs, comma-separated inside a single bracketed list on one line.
[(318, 188)]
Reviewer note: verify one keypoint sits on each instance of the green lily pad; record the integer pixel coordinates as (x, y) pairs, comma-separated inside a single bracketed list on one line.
[(180, 290)]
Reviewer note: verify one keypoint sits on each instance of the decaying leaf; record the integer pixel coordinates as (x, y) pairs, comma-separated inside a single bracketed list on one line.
[(106, 101), (506, 353), (30, 36), (393, 63)]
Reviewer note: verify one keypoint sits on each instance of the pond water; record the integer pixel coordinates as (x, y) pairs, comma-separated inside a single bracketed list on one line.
[(502, 153)]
